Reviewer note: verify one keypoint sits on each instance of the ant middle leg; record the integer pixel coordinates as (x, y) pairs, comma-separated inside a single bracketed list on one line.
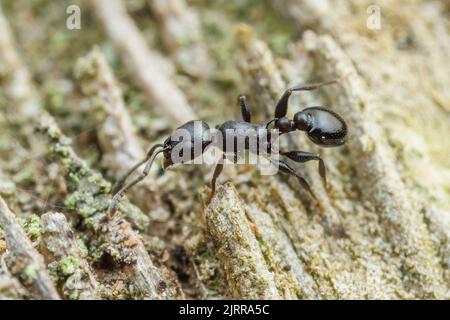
[(282, 104), (303, 156), (245, 110), (286, 168), (217, 171)]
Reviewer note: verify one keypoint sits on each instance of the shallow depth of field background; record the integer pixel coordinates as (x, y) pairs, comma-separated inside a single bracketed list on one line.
[(384, 225)]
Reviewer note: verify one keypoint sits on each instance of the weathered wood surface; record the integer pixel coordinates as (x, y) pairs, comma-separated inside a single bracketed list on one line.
[(22, 260), (381, 230)]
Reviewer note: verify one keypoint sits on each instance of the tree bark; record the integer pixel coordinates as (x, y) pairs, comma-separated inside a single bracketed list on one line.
[(379, 230)]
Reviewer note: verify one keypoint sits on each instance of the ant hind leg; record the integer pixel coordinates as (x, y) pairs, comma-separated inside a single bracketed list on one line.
[(303, 156), (282, 104), (286, 168)]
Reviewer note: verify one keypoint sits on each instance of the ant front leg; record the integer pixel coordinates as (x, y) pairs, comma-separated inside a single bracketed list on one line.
[(245, 110), (303, 156), (282, 104), (216, 174), (284, 167)]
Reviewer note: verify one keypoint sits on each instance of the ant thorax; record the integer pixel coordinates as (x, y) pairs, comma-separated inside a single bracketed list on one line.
[(192, 144)]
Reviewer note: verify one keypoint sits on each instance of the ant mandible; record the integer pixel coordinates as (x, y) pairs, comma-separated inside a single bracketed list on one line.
[(323, 127)]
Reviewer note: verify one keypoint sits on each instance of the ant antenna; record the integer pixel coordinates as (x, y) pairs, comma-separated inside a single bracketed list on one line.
[(119, 184), (149, 159)]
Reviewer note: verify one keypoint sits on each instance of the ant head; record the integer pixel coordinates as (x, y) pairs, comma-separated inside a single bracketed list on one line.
[(324, 127), (167, 149), (186, 143), (177, 151)]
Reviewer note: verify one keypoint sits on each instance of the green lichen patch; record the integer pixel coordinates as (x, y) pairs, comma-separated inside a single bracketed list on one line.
[(32, 227), (69, 265), (29, 273)]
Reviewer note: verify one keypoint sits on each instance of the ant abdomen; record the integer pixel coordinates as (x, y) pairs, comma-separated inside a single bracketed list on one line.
[(323, 127)]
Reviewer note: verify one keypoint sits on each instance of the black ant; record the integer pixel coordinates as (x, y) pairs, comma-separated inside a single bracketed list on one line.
[(323, 127)]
